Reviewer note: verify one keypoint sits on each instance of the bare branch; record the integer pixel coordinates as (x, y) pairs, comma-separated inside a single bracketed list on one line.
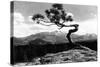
[(46, 23)]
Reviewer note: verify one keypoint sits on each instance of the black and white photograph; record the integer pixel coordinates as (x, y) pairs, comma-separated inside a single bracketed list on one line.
[(52, 33)]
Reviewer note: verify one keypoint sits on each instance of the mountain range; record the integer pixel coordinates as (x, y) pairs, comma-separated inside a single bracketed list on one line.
[(53, 38)]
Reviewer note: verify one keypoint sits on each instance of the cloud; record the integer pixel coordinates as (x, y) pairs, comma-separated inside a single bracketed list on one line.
[(21, 29), (89, 26), (30, 19), (85, 27), (18, 18)]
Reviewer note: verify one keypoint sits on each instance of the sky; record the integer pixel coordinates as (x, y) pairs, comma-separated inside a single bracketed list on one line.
[(84, 15)]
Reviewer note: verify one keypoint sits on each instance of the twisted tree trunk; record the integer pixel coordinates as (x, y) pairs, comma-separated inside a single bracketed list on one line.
[(72, 31)]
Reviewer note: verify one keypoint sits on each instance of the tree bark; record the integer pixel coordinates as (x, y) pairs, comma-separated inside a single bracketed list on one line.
[(72, 31)]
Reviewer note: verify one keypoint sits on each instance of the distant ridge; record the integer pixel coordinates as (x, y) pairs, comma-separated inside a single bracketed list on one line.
[(54, 38)]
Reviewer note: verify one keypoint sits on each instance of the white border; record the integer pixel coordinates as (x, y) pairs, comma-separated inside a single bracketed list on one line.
[(5, 32)]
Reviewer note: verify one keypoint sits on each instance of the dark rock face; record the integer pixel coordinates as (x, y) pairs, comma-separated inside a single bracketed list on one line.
[(73, 55), (92, 44), (25, 53)]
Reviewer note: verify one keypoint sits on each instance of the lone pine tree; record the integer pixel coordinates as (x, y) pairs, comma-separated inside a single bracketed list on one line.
[(55, 15)]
